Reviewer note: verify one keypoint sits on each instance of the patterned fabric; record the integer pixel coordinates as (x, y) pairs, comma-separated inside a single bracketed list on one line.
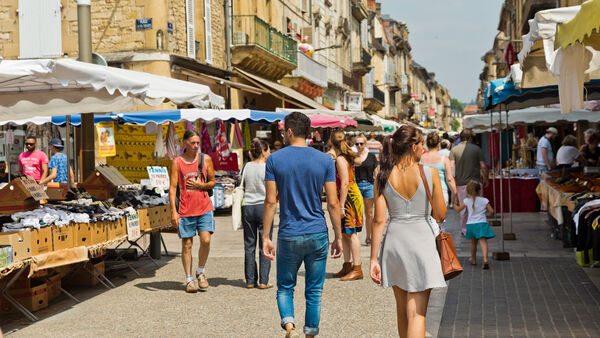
[(221, 144), (353, 216), (205, 140), (59, 162), (173, 147)]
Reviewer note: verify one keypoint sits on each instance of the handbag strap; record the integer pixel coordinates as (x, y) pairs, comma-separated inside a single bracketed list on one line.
[(242, 173), (429, 197)]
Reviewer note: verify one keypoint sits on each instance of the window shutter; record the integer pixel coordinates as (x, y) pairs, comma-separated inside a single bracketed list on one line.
[(39, 29), (191, 32), (208, 31)]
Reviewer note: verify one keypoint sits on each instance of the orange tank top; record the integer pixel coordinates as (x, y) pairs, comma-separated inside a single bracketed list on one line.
[(192, 202)]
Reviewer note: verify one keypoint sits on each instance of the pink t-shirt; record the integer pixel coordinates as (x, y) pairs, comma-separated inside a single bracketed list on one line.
[(32, 163)]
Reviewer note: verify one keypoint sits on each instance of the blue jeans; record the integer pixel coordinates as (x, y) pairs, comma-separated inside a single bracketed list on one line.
[(291, 252)]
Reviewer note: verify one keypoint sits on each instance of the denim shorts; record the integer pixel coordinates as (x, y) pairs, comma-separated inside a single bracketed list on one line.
[(189, 226), (366, 189)]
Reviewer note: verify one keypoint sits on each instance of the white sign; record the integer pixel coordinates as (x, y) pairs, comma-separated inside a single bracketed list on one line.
[(133, 226), (159, 177), (353, 101)]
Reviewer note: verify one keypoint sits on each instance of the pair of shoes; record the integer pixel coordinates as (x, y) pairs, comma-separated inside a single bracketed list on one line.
[(346, 268), (202, 281), (355, 274), (250, 286), (265, 286), (191, 287), (486, 266), (472, 261), (292, 334)]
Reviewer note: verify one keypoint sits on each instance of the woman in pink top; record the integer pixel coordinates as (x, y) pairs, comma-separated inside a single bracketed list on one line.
[(195, 214), (33, 162)]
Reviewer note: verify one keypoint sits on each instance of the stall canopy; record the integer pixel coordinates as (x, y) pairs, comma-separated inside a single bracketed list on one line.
[(332, 121), (387, 125), (161, 116), (584, 27), (43, 87), (356, 115), (531, 116)]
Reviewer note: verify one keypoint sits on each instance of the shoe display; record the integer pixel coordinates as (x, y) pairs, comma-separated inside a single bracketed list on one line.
[(355, 274), (191, 287), (346, 268), (202, 281)]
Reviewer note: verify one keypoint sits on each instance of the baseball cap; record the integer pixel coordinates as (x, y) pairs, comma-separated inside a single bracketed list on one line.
[(552, 130), (57, 143)]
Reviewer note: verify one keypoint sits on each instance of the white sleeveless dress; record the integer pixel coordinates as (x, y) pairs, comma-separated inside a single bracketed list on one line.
[(409, 258)]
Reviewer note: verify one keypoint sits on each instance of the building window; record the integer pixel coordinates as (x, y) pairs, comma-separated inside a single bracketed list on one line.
[(39, 29)]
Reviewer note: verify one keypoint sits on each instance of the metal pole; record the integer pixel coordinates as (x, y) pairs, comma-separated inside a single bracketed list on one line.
[(502, 255), (493, 165), (68, 146), (510, 236)]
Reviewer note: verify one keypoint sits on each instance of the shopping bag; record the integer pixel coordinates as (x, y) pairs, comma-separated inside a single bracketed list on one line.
[(236, 208)]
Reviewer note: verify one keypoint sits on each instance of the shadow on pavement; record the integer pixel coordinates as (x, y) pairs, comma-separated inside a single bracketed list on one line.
[(163, 285), (215, 282)]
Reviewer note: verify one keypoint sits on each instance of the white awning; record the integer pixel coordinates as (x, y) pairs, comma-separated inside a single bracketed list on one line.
[(43, 87), (532, 116)]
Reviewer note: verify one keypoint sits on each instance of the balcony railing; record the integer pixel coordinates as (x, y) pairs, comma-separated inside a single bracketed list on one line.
[(366, 57), (311, 70), (335, 73), (372, 92), (252, 30)]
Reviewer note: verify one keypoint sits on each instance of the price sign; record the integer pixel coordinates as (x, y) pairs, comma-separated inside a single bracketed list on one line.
[(133, 226), (34, 189), (159, 177)]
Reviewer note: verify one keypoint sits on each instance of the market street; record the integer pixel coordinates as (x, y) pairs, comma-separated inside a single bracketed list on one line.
[(557, 293)]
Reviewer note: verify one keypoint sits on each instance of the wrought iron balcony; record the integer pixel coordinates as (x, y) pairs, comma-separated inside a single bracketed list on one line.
[(261, 49)]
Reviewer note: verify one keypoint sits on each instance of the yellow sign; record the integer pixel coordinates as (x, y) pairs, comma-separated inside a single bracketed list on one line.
[(106, 139)]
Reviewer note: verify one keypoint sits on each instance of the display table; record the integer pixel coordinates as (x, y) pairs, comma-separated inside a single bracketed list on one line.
[(553, 200), (522, 194)]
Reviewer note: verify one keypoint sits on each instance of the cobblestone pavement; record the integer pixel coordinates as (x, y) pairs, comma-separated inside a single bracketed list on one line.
[(539, 292)]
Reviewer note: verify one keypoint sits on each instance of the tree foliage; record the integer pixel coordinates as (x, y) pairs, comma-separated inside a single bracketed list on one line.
[(456, 105), (455, 124)]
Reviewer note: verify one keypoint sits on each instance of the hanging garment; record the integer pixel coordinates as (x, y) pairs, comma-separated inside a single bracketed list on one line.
[(239, 139), (173, 147), (190, 126), (160, 148), (247, 137), (221, 144), (206, 146)]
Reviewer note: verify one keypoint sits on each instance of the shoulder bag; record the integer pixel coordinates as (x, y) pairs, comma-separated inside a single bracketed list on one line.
[(236, 208), (445, 244)]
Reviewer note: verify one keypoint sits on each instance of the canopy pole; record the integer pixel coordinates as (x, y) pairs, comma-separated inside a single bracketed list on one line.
[(68, 146), (502, 255), (510, 236), (491, 133)]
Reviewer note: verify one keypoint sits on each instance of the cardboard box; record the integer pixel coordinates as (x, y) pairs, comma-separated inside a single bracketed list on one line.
[(20, 242), (62, 237), (34, 298), (57, 191), (97, 233), (83, 277), (144, 215), (116, 229), (103, 182), (21, 194), (41, 241), (82, 234), (53, 285), (157, 217)]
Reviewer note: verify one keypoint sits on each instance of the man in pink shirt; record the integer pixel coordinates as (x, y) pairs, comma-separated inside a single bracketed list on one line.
[(33, 162)]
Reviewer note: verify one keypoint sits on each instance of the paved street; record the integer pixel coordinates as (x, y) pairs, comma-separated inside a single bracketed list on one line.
[(539, 292)]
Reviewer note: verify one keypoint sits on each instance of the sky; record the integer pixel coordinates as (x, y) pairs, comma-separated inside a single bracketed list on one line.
[(449, 38)]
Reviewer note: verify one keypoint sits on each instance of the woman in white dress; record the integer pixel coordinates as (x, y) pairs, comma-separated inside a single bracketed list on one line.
[(408, 260)]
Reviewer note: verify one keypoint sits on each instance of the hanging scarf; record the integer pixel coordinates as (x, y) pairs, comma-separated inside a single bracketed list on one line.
[(247, 137), (190, 126), (173, 147), (205, 140), (221, 144), (160, 148), (239, 138)]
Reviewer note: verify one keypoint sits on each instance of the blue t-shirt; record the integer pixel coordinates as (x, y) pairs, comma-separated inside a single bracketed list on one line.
[(59, 162), (300, 174)]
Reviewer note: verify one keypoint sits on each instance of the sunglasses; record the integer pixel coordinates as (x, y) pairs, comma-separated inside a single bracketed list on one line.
[(29, 144), (359, 144)]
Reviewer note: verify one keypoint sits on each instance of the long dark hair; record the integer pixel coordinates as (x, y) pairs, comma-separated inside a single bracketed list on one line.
[(257, 147), (394, 148)]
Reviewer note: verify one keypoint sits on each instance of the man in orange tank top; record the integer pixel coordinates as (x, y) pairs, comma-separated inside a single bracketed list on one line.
[(195, 212)]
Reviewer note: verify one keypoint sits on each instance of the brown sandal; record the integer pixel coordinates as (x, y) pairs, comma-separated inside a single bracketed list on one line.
[(265, 286)]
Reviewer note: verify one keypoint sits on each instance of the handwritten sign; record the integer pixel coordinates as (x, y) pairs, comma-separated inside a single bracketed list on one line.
[(34, 189), (159, 177), (133, 226)]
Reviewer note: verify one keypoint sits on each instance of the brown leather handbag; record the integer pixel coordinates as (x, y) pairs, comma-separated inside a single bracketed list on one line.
[(445, 244)]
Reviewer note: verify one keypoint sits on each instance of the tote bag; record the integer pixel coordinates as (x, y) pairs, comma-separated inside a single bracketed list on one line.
[(236, 209), (445, 243)]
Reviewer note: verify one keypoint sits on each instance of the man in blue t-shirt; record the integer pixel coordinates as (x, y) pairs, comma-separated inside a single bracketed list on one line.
[(60, 171), (299, 173)]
